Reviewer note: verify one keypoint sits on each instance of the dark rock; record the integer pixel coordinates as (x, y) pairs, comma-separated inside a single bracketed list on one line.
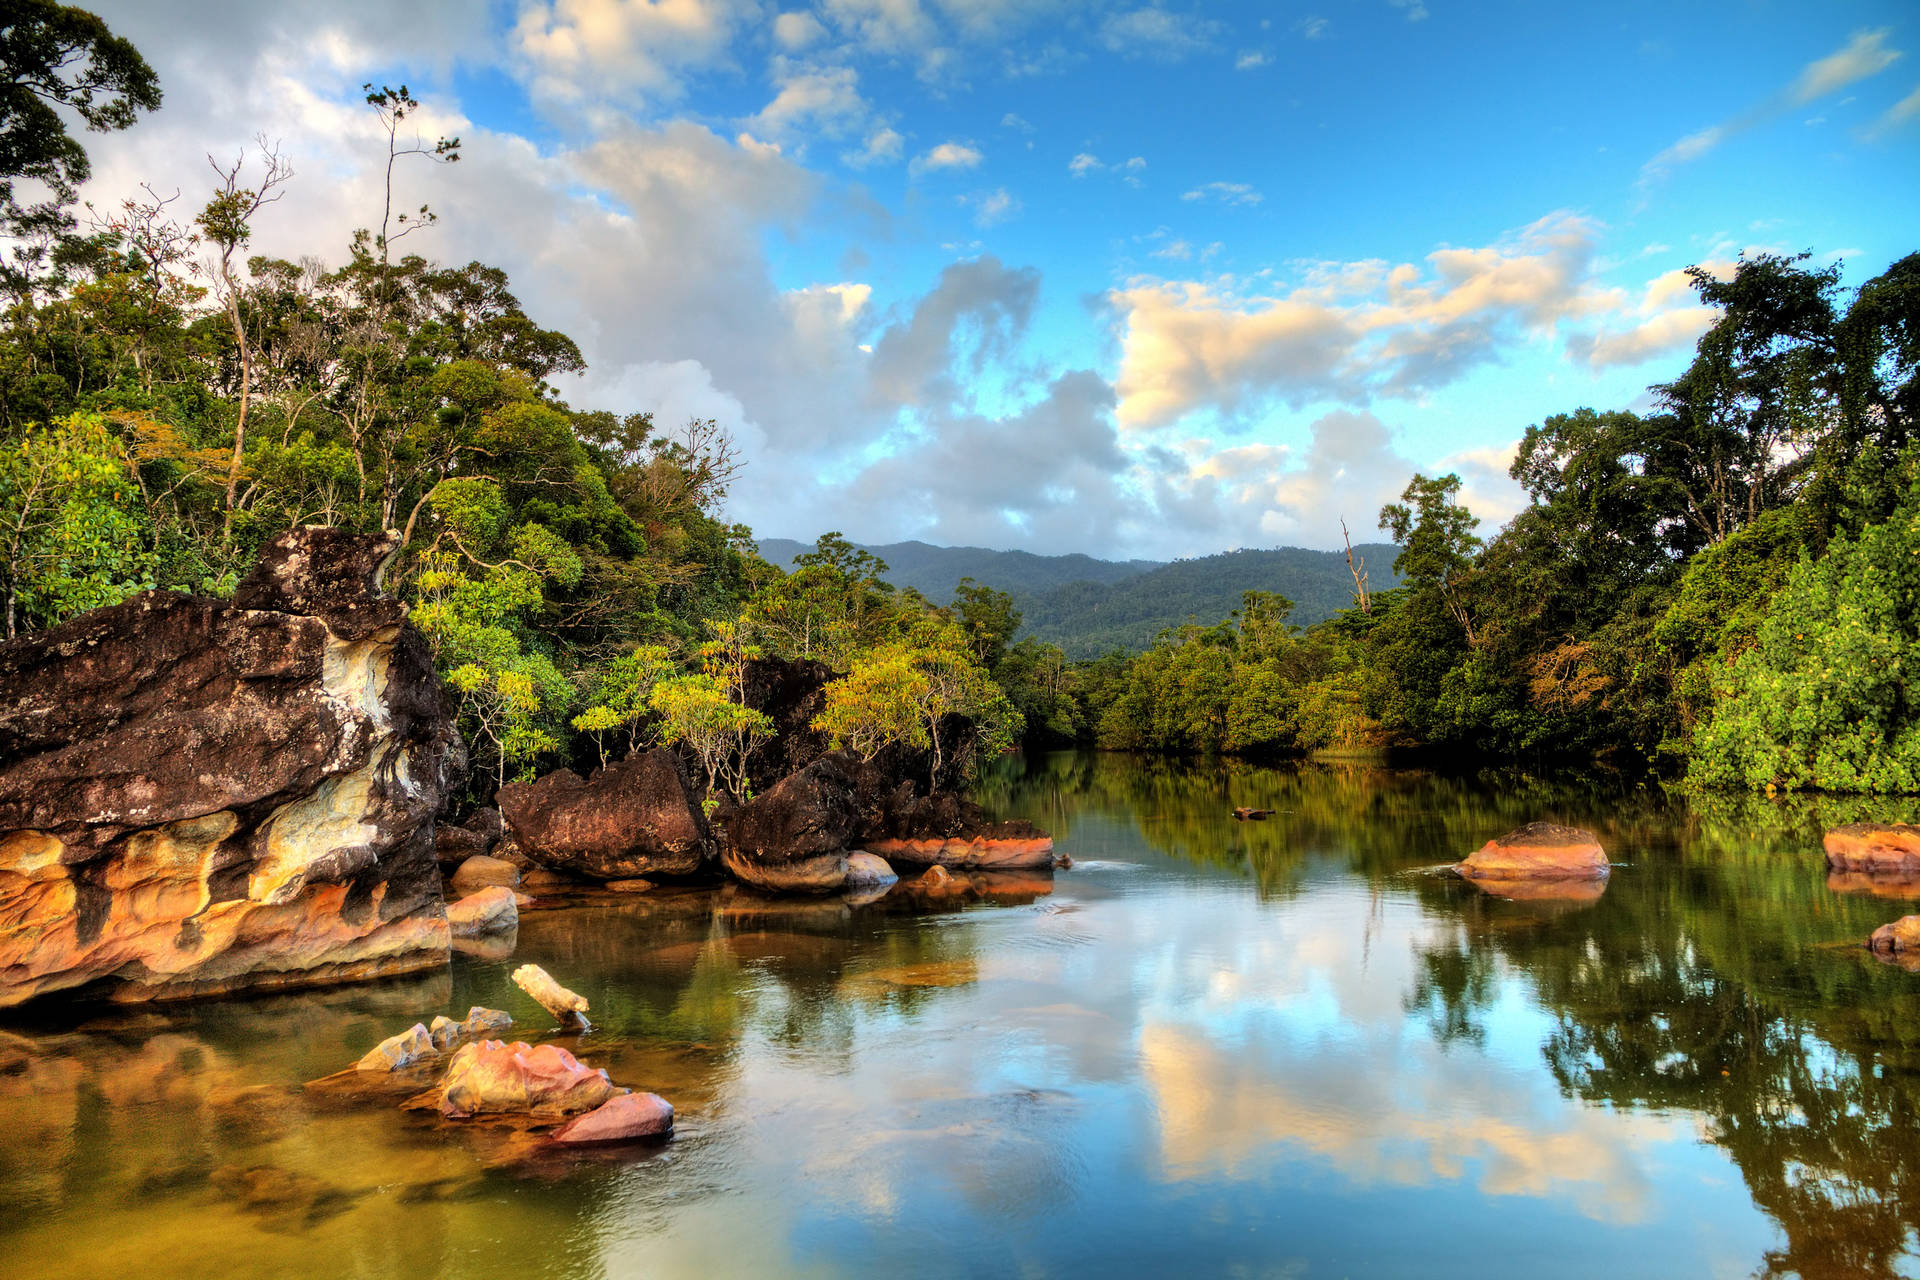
[(633, 819), (485, 822), (198, 796), (454, 845), (794, 837), (790, 693)]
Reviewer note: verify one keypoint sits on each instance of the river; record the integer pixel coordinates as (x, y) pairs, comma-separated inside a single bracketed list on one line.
[(1211, 1048)]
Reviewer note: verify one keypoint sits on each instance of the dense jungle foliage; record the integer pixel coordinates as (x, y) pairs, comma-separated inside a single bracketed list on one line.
[(1728, 585)]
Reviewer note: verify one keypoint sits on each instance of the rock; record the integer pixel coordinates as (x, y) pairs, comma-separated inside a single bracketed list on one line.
[(1894, 885), (624, 1119), (1539, 850), (568, 1007), (935, 877), (299, 1199), (1000, 846), (521, 901), (865, 870), (200, 796), (630, 886), (1875, 848), (793, 838), (494, 1077), (454, 845), (1541, 888), (1063, 862), (543, 878), (403, 1050), (489, 911), (1903, 935), (445, 1032), (508, 850), (1244, 814), (633, 818), (483, 872), (485, 822), (791, 693)]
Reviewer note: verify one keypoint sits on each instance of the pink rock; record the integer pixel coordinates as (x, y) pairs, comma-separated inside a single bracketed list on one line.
[(493, 1076), (631, 1116)]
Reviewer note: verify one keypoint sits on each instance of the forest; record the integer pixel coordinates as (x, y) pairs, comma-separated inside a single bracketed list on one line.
[(1725, 588)]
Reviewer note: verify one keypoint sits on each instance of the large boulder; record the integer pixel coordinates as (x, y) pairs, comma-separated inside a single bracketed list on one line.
[(636, 818), (199, 796), (627, 1118), (1875, 848), (1902, 936), (482, 914), (793, 838), (1538, 851)]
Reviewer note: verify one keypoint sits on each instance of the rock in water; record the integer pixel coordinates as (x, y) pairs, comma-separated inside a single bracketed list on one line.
[(403, 1050), (631, 819), (483, 872), (199, 796), (1539, 851), (866, 870), (569, 1008), (1006, 846), (793, 838), (1876, 848), (493, 1077), (481, 914), (624, 1119), (1903, 935)]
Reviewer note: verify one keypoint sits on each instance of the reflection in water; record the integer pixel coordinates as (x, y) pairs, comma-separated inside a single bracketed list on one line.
[(1213, 1047)]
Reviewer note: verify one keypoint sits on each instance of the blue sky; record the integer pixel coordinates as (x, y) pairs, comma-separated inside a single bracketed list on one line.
[(1121, 278)]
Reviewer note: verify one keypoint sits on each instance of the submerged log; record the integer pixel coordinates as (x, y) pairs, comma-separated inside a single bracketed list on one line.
[(568, 1007)]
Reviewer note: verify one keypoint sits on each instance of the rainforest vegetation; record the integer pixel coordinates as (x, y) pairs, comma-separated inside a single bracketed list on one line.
[(1726, 586)]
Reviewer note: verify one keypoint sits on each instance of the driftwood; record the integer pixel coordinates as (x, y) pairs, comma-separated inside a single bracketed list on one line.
[(568, 1007)]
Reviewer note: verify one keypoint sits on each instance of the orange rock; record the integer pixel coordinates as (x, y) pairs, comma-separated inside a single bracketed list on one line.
[(1874, 847), (1542, 888), (403, 1050), (636, 884), (1903, 935), (989, 853), (494, 1077), (623, 1119), (490, 911), (1894, 885), (1539, 850), (483, 872)]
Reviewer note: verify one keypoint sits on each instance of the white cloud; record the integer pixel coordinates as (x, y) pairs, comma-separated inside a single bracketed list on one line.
[(991, 208), (1013, 121), (1154, 32), (1229, 193), (1900, 113), (797, 31), (1350, 330), (823, 100), (1251, 60), (948, 155), (1668, 319), (1083, 164), (1414, 9), (622, 49), (1311, 27), (883, 146), (1865, 55)]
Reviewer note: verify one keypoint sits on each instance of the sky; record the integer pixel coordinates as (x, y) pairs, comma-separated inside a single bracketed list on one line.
[(1130, 280)]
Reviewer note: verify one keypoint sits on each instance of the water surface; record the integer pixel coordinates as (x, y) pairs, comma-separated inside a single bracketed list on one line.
[(1212, 1048)]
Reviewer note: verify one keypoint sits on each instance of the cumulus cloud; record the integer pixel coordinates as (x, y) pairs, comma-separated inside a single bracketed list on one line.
[(1348, 331), (823, 100), (883, 146), (622, 49), (797, 31), (948, 155), (1667, 319)]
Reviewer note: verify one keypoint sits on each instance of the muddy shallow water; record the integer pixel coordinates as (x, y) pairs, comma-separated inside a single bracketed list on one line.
[(1211, 1048)]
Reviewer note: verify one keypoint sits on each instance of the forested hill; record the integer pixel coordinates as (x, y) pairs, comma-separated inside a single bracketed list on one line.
[(935, 571), (1089, 606), (1091, 618)]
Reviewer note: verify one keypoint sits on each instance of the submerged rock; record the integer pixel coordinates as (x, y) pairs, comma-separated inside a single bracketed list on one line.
[(627, 1118), (495, 1077), (1875, 848), (483, 914), (200, 796), (1538, 851), (630, 819), (635, 885)]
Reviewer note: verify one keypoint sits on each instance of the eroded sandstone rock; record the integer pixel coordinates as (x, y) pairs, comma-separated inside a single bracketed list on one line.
[(493, 1076), (632, 819), (1875, 848), (402, 1050), (445, 1032), (199, 795), (627, 1118), (1903, 935), (1538, 851)]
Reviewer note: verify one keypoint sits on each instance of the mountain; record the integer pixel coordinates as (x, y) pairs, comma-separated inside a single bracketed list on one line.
[(935, 571), (1089, 618), (1088, 606)]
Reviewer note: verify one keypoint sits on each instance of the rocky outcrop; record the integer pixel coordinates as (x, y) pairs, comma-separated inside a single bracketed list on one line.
[(1875, 848), (494, 1077), (199, 795), (636, 818), (1539, 851)]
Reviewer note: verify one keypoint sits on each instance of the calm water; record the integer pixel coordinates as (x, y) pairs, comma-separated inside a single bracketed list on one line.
[(1212, 1048)]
